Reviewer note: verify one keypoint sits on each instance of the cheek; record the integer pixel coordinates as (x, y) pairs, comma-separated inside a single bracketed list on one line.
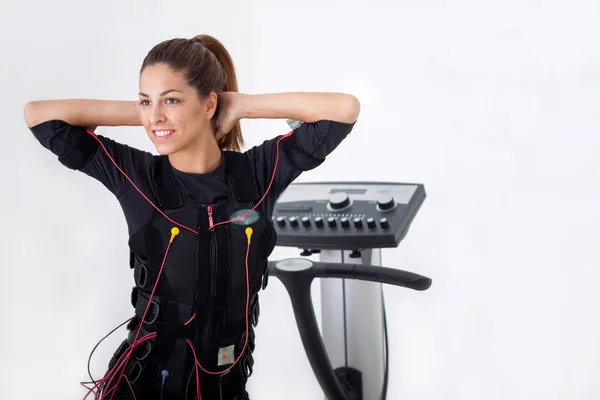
[(144, 118)]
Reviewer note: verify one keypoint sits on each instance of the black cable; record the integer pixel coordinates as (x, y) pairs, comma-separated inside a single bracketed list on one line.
[(387, 352), (101, 386), (187, 387)]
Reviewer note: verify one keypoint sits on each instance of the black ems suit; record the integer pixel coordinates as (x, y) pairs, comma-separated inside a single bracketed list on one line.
[(203, 280)]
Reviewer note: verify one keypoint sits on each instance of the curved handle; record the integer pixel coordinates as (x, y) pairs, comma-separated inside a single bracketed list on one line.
[(297, 274), (372, 273), (390, 276)]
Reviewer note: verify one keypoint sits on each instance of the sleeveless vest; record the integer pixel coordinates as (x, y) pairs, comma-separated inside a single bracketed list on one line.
[(204, 276)]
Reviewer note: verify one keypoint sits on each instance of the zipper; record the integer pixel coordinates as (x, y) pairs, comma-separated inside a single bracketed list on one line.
[(213, 263), (211, 225)]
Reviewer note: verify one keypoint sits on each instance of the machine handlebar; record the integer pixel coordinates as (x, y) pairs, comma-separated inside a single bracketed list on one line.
[(361, 272), (297, 274)]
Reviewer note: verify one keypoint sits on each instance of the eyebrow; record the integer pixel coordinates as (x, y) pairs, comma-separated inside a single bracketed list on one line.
[(163, 93)]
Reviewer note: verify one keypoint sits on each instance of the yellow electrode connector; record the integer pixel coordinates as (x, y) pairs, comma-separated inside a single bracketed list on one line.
[(174, 232)]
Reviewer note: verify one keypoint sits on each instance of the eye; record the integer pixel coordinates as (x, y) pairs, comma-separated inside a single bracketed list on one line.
[(142, 102), (172, 100)]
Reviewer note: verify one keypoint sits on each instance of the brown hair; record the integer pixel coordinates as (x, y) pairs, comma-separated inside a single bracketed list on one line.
[(208, 67)]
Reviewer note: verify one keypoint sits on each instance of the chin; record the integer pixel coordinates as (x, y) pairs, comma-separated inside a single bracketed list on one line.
[(164, 150)]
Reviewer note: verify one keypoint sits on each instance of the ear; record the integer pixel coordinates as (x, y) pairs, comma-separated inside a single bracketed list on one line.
[(210, 105)]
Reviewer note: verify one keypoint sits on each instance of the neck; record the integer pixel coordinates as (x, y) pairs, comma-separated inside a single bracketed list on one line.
[(198, 158)]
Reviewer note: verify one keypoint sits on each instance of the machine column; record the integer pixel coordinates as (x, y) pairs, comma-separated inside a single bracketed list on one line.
[(352, 322)]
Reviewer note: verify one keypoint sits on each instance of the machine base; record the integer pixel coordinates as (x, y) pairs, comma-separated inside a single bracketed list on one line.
[(351, 381)]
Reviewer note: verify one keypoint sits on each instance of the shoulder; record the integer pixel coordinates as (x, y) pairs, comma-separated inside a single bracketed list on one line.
[(303, 148), (79, 148)]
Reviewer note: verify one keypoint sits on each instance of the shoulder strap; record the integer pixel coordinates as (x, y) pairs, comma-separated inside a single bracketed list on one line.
[(165, 183), (240, 173)]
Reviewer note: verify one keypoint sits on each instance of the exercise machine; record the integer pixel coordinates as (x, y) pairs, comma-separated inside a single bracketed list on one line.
[(346, 224)]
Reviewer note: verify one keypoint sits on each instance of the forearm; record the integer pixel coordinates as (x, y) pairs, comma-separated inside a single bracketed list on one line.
[(83, 112), (301, 106)]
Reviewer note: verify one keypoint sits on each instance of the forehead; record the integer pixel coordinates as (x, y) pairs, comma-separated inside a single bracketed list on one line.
[(160, 77)]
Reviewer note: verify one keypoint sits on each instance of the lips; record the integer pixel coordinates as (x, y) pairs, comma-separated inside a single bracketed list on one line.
[(163, 134)]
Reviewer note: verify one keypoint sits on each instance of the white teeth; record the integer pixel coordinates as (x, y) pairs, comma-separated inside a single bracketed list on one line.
[(162, 133)]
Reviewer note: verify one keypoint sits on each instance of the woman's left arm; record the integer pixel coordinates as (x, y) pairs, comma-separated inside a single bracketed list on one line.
[(300, 106), (326, 119)]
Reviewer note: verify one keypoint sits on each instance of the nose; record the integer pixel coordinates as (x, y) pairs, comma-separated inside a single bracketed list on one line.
[(157, 114)]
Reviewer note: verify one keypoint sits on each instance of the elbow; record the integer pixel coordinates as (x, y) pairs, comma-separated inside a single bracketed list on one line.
[(351, 109), (31, 114)]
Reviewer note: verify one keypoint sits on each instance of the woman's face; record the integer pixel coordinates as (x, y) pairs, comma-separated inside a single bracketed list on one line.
[(171, 111)]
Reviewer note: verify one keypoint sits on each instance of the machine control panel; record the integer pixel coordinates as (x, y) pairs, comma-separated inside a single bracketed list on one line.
[(346, 215)]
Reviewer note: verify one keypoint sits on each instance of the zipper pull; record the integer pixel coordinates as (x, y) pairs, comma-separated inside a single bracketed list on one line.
[(210, 219)]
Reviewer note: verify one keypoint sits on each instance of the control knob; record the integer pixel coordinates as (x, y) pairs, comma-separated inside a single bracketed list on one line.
[(319, 222), (306, 221), (294, 221), (281, 221), (339, 201), (385, 202), (331, 222), (384, 223), (358, 222), (371, 223), (345, 222)]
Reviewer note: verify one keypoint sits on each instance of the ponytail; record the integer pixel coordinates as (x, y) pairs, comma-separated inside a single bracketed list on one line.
[(234, 139)]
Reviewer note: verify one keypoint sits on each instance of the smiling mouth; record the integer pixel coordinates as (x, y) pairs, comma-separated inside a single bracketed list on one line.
[(163, 134)]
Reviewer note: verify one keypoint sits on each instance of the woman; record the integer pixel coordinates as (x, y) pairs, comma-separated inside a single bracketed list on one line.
[(198, 213)]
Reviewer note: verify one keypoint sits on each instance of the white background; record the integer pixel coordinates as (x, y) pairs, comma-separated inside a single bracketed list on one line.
[(492, 105)]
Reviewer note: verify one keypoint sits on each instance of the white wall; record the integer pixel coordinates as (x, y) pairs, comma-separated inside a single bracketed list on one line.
[(492, 105)]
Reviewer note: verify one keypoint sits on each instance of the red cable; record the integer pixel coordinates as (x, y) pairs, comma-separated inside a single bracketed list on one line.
[(136, 342), (145, 312)]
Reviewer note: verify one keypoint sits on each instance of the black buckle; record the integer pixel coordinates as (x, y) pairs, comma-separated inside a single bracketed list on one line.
[(255, 311), (133, 371), (265, 279), (152, 314), (141, 275), (251, 344), (153, 311), (247, 364), (143, 352)]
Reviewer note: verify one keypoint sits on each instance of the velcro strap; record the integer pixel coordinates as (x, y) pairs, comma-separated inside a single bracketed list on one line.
[(239, 170), (167, 188)]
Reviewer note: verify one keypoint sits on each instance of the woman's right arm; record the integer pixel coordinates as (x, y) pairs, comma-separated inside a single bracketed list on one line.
[(61, 126), (83, 112)]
